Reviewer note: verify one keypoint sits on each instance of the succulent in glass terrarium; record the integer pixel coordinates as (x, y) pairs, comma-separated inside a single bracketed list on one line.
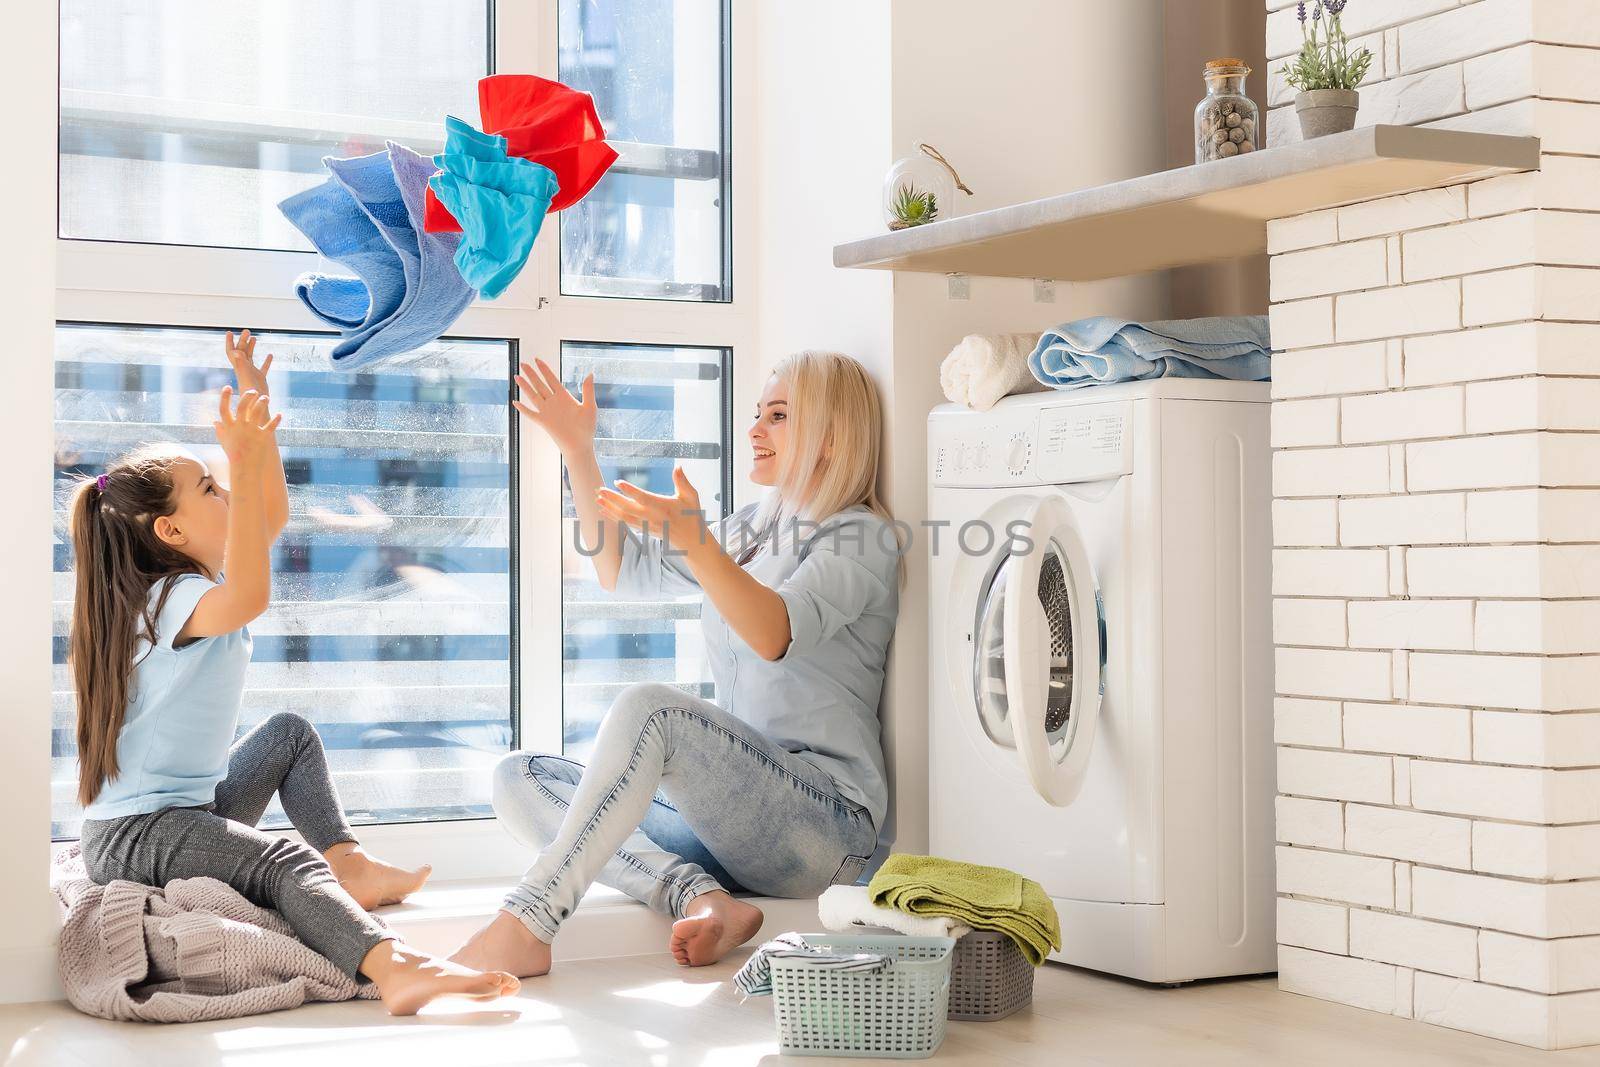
[(921, 188), (913, 207)]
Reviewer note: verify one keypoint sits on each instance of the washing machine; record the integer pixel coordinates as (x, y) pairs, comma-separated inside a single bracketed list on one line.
[(1101, 665)]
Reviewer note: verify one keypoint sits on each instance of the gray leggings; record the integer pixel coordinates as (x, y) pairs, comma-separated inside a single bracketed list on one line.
[(284, 756)]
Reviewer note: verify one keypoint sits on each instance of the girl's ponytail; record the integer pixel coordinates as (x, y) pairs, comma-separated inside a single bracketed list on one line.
[(117, 558)]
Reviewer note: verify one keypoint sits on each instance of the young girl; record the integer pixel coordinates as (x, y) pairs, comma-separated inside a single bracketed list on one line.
[(158, 654)]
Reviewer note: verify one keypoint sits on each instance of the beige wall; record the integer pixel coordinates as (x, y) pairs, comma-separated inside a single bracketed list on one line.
[(28, 929), (1198, 30), (846, 88), (822, 145)]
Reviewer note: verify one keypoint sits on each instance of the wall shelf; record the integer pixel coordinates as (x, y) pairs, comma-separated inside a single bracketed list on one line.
[(1196, 214)]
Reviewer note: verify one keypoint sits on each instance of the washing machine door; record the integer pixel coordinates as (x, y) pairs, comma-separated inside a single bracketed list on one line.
[(1053, 652)]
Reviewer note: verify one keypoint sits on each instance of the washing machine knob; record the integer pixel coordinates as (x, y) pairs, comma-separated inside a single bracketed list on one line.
[(1017, 457)]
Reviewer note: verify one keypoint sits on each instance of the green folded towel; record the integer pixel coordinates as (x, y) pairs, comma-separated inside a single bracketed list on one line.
[(984, 898)]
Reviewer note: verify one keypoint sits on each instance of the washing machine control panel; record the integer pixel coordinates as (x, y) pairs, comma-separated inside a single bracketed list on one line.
[(1085, 442), (1061, 445)]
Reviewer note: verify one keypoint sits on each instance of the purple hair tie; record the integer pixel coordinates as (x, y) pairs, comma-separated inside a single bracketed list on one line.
[(100, 483)]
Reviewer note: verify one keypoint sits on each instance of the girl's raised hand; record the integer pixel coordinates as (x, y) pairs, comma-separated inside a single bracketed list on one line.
[(569, 421), (242, 358), (677, 519), (245, 432)]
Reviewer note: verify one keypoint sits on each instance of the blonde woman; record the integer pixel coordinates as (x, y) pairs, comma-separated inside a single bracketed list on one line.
[(779, 787)]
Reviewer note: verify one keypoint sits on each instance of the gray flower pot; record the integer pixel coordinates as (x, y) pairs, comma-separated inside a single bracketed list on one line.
[(1325, 111)]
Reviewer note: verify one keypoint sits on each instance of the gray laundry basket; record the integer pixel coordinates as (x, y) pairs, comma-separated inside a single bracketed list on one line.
[(990, 978), (898, 1013)]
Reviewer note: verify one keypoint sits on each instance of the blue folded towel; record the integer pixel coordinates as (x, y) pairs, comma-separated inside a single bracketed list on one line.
[(1103, 350), (499, 200), (368, 216)]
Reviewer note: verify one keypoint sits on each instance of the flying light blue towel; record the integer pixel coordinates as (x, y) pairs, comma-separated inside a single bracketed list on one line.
[(368, 216), (499, 200), (1105, 350)]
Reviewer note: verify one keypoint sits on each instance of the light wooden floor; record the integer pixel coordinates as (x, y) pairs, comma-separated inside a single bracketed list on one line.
[(645, 1010)]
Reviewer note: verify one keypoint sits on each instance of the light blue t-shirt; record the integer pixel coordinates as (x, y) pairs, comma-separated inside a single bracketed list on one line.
[(841, 585), (183, 709)]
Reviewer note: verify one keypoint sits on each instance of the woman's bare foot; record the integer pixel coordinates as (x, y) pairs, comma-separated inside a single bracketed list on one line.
[(371, 881), (407, 979), (715, 926), (505, 945)]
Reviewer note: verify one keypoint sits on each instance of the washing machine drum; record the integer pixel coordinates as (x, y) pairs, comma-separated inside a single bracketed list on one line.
[(1038, 606), (989, 664)]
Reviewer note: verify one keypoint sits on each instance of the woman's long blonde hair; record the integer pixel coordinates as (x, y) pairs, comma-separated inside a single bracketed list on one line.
[(835, 442)]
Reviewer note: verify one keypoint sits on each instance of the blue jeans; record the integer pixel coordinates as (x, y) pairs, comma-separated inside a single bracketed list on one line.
[(735, 811)]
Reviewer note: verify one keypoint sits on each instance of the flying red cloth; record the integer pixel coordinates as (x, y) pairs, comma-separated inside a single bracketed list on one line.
[(543, 121)]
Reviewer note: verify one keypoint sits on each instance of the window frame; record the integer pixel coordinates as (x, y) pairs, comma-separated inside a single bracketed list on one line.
[(725, 150), (139, 284), (489, 60), (514, 457), (726, 483)]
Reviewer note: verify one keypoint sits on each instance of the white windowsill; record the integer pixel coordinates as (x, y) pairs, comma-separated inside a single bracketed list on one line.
[(606, 925)]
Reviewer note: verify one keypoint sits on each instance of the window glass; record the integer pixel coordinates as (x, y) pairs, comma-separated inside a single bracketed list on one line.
[(187, 121), (391, 625), (657, 224), (660, 407)]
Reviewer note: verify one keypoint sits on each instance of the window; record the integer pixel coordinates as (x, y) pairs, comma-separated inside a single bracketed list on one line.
[(660, 407), (187, 121), (391, 626), (420, 620), (657, 224)]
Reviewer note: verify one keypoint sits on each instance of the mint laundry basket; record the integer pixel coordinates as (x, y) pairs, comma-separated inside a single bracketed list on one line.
[(897, 1014)]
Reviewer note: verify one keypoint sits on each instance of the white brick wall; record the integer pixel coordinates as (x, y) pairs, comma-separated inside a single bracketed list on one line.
[(1408, 835), (1347, 979), (1547, 853), (1409, 942), (1436, 472), (1411, 729), (1308, 924), (1317, 823)]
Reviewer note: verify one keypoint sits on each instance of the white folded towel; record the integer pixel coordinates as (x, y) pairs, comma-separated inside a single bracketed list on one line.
[(985, 367), (849, 907)]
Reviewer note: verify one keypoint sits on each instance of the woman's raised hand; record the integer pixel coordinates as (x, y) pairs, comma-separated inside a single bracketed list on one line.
[(570, 422), (245, 432), (677, 519)]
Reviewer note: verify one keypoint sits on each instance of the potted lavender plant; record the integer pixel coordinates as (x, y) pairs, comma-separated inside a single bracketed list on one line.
[(1325, 72)]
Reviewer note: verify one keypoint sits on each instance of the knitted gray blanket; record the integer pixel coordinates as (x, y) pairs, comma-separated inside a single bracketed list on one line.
[(194, 951)]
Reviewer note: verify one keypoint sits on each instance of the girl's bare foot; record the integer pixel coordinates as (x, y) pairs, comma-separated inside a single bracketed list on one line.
[(371, 881), (505, 945), (407, 979), (715, 926)]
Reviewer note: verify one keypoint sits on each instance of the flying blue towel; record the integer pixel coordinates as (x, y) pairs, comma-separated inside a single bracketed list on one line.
[(1105, 350), (368, 216), (499, 200)]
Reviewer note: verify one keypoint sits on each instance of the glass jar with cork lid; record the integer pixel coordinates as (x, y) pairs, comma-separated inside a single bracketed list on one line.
[(1225, 122)]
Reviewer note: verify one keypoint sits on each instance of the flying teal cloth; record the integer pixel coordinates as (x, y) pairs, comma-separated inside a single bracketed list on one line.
[(499, 200)]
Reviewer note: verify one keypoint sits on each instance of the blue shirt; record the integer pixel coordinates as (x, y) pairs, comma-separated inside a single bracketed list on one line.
[(183, 709), (840, 584)]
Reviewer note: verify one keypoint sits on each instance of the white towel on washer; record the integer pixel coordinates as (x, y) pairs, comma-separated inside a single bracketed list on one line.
[(850, 907), (985, 367)]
